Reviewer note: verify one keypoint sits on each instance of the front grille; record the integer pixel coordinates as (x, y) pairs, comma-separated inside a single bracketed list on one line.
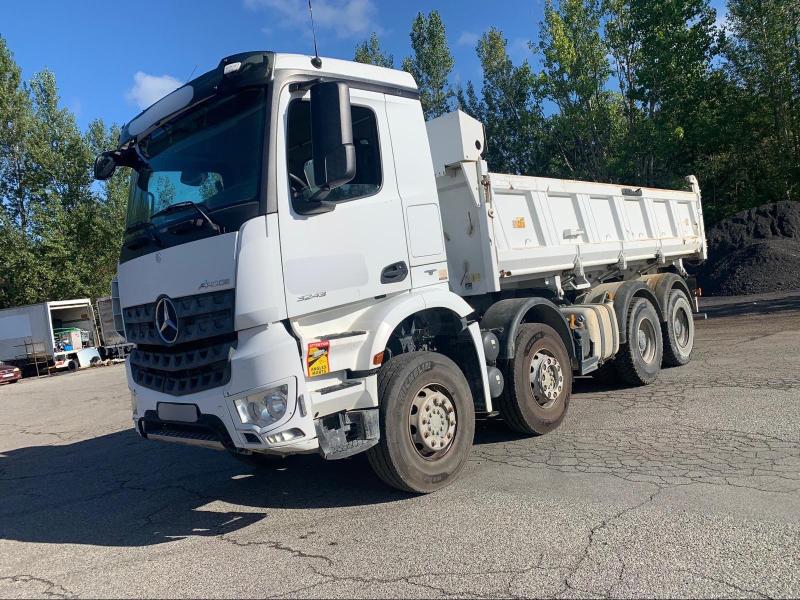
[(209, 428), (199, 317), (200, 357)]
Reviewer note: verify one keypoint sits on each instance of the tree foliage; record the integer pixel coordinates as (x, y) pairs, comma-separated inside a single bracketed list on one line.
[(370, 52), (431, 63), (575, 72), (509, 107), (763, 51), (630, 91), (59, 231), (663, 55)]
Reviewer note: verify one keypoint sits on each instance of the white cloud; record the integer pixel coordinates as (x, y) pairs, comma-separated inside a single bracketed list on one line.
[(467, 38), (346, 18), (148, 89)]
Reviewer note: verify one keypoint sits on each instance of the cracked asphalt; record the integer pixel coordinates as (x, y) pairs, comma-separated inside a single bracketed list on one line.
[(687, 488)]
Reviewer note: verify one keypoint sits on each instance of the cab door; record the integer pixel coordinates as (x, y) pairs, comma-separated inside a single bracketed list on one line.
[(358, 250)]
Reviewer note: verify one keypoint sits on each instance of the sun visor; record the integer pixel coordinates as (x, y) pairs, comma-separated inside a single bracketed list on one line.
[(237, 71), (169, 104)]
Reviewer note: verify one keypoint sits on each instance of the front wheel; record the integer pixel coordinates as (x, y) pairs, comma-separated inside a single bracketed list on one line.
[(427, 420), (539, 381)]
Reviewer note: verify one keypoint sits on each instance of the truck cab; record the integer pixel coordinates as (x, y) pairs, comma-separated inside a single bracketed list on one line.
[(284, 275)]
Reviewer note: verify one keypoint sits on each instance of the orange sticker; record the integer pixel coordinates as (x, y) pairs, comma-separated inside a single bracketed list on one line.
[(317, 358), (519, 223)]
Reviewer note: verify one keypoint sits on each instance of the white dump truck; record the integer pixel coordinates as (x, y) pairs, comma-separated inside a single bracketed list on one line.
[(309, 267)]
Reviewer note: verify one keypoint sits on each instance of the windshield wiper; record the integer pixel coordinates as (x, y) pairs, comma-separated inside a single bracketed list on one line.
[(148, 235), (181, 206)]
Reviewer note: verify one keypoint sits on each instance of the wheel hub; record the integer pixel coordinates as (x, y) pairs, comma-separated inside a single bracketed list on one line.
[(432, 422), (680, 326), (642, 338), (646, 340), (547, 377)]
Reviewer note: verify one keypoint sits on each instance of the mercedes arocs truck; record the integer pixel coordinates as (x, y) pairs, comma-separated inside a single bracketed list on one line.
[(310, 267)]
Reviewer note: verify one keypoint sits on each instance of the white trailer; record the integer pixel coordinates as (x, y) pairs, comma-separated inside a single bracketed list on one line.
[(365, 283), (29, 334)]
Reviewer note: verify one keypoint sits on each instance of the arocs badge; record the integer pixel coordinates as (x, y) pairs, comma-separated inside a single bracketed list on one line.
[(317, 362)]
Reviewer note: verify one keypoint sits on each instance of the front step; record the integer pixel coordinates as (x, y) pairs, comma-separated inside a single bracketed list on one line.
[(347, 433)]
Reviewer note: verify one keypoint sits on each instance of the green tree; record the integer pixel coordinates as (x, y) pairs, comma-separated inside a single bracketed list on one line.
[(371, 53), (431, 63), (59, 231), (510, 109), (763, 53), (663, 53), (575, 72)]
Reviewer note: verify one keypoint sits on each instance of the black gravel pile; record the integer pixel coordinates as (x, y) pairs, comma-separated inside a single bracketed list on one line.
[(754, 251)]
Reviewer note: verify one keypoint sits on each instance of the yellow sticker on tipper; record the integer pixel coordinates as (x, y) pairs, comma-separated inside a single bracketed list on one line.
[(318, 358), (519, 223)]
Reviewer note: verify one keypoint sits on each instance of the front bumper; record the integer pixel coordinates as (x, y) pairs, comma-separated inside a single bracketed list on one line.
[(265, 357)]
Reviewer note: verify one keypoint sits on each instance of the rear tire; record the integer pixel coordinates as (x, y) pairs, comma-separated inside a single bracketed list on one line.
[(678, 330), (427, 421), (538, 381), (639, 360)]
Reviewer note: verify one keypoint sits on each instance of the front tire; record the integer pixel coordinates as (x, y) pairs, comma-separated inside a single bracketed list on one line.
[(538, 381), (639, 360), (427, 421), (678, 330)]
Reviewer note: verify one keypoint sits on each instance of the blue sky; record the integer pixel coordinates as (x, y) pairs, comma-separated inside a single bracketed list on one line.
[(113, 58)]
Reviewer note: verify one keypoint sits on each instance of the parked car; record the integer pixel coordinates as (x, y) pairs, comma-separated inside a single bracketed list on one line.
[(9, 373)]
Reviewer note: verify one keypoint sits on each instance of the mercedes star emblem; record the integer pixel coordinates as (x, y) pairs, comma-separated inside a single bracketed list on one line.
[(166, 320)]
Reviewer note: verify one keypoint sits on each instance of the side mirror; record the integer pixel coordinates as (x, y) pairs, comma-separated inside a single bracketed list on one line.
[(104, 166), (332, 135)]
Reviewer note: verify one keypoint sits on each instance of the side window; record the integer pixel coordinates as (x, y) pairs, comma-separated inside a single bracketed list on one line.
[(369, 175)]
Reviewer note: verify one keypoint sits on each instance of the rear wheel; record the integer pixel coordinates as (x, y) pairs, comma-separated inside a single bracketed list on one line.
[(639, 360), (427, 420), (678, 331), (539, 381)]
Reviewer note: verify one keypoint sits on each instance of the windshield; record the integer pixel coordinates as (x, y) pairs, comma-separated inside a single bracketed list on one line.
[(210, 157)]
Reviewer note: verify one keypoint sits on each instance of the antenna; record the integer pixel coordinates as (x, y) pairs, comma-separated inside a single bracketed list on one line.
[(316, 61)]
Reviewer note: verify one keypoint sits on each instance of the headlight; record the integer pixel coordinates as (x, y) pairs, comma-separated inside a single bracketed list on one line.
[(264, 408), (16, 369)]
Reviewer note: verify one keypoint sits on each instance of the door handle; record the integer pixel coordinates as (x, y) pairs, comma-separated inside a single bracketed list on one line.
[(395, 272)]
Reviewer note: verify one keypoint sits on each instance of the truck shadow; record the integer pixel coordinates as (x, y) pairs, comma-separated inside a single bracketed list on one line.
[(120, 490)]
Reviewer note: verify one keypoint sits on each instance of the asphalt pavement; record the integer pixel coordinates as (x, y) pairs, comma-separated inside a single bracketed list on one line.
[(686, 488)]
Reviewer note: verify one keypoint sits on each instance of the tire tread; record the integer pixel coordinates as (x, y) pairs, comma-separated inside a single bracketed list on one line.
[(378, 456), (671, 357), (625, 363)]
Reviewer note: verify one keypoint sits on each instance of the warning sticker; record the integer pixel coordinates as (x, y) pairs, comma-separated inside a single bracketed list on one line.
[(519, 223), (317, 358)]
